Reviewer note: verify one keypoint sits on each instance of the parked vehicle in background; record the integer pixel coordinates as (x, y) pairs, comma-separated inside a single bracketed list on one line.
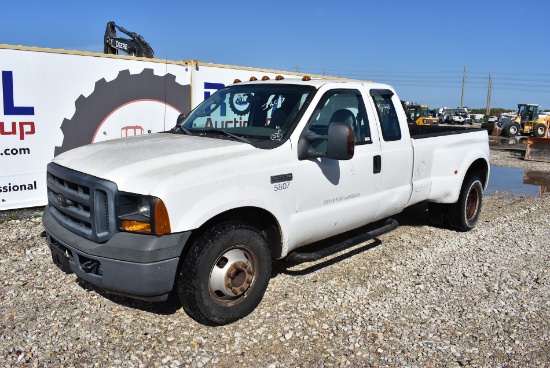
[(457, 119), (530, 122), (526, 122), (454, 116), (419, 114), (505, 123)]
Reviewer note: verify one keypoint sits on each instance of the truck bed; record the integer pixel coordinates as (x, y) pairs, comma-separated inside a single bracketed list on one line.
[(427, 131)]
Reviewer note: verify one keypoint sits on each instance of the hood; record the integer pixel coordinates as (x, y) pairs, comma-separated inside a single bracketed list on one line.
[(138, 164)]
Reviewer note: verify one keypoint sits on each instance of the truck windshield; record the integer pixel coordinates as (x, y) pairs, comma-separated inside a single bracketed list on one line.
[(256, 112)]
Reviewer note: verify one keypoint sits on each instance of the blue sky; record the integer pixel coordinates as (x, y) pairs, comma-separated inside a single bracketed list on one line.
[(419, 47)]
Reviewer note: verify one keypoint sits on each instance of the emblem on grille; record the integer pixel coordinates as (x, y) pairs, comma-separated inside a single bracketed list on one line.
[(61, 200)]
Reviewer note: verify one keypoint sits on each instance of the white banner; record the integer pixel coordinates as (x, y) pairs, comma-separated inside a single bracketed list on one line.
[(51, 102)]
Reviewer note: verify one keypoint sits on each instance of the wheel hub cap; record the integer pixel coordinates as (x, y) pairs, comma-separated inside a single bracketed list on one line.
[(232, 275), (238, 278)]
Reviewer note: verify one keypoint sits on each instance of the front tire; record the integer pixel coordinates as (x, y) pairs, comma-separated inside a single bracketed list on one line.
[(539, 130), (512, 130), (224, 276), (464, 214)]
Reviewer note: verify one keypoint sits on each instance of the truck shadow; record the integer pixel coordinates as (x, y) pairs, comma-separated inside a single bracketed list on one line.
[(167, 307), (282, 266), (346, 245)]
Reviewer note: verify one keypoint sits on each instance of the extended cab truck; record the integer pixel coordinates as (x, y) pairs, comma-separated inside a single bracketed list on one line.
[(256, 171)]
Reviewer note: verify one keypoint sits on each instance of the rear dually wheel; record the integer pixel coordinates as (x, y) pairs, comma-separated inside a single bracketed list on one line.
[(464, 214)]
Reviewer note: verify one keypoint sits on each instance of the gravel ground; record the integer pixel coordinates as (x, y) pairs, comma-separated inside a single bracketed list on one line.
[(418, 296)]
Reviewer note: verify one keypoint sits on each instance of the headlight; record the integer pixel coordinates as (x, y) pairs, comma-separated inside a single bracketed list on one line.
[(142, 214), (144, 207)]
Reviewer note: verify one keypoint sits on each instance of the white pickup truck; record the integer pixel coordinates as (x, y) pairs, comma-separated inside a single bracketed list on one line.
[(457, 119), (256, 171)]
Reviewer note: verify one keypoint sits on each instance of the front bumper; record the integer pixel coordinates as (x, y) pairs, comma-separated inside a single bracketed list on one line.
[(136, 265)]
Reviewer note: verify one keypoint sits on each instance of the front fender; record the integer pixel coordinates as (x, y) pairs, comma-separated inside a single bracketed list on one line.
[(197, 211)]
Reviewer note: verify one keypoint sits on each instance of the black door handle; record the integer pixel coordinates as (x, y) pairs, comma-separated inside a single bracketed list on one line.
[(377, 164)]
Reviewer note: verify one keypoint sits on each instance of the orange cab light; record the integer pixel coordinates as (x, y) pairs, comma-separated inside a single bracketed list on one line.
[(252, 79), (306, 78), (265, 77), (237, 80), (279, 77), (130, 225)]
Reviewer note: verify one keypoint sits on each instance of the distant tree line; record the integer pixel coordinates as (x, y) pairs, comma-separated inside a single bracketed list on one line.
[(494, 111)]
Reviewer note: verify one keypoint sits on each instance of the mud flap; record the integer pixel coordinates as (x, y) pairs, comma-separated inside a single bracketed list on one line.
[(538, 149)]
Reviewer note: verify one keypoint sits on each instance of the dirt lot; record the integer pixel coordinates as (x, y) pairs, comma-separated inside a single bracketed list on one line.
[(419, 296)]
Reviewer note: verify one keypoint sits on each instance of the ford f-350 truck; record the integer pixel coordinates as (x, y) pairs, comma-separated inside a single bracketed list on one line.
[(256, 171)]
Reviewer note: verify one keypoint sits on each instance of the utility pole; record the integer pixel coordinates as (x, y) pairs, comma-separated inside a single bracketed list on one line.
[(489, 89), (297, 70), (463, 83)]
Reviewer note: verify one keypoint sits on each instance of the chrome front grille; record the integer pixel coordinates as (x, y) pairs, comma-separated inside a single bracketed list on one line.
[(82, 203)]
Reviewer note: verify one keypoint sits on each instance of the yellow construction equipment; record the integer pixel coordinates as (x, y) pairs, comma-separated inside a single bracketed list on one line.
[(529, 121), (538, 147), (419, 115)]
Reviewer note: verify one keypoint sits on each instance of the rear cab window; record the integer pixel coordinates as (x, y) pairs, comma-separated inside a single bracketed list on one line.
[(387, 115)]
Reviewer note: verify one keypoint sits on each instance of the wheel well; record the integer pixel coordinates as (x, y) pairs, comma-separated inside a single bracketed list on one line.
[(256, 217), (481, 168)]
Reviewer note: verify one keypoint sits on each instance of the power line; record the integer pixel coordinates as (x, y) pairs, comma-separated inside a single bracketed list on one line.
[(421, 72)]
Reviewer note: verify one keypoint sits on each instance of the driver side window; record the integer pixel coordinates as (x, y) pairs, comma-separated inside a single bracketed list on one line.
[(344, 106)]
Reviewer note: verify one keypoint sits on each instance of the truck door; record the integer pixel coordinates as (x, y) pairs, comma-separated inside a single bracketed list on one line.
[(335, 196), (396, 156)]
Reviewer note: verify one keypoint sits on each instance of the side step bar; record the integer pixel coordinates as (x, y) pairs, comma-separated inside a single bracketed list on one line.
[(298, 257)]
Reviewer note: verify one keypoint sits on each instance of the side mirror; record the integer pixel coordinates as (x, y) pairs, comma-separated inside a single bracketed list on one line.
[(340, 143)]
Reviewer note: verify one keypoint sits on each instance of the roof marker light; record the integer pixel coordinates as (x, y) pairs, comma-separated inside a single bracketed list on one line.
[(306, 78), (265, 77), (279, 77), (252, 79)]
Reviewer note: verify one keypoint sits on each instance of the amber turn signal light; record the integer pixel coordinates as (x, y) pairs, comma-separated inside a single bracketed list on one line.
[(162, 221), (142, 227)]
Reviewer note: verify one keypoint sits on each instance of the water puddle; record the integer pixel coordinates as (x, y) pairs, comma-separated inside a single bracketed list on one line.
[(508, 143), (518, 182)]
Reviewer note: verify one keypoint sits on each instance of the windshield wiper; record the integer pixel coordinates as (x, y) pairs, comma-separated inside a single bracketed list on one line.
[(241, 139), (180, 128)]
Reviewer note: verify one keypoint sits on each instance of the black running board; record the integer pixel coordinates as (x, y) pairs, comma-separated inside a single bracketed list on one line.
[(298, 257)]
